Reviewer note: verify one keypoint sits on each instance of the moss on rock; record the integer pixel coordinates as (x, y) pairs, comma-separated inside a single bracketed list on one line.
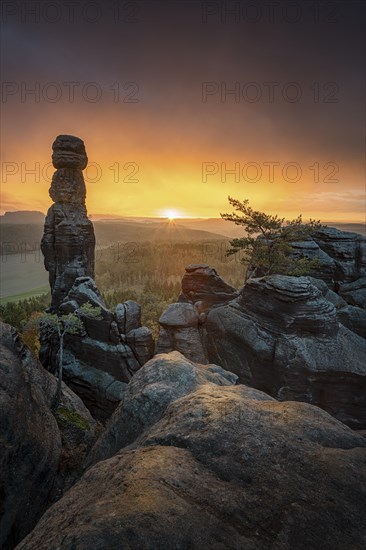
[(64, 415)]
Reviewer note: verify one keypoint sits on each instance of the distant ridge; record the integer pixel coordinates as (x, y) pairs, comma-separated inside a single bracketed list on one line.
[(174, 229), (23, 217)]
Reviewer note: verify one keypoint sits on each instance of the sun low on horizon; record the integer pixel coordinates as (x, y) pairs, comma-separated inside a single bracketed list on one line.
[(172, 214)]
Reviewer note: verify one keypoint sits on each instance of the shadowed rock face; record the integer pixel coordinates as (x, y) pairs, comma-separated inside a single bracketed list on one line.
[(283, 337), (40, 455), (190, 460), (99, 361), (68, 241), (346, 249)]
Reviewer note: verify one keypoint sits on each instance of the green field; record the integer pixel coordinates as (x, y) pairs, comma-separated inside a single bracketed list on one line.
[(25, 295), (22, 277)]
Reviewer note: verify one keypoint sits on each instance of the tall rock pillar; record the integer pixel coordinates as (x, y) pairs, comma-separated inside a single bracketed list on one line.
[(68, 241)]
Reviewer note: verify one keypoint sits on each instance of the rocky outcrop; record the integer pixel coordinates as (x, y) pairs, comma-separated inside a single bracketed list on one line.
[(353, 318), (284, 337), (162, 380), (202, 463), (202, 289), (292, 337), (341, 256), (202, 286), (179, 331), (41, 452), (347, 251), (68, 241), (100, 360), (355, 292)]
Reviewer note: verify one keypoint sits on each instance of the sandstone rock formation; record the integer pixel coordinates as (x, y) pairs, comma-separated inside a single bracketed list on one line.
[(284, 337), (179, 331), (99, 362), (162, 380), (202, 289), (354, 292), (202, 286), (346, 249), (68, 241), (202, 463), (342, 256), (293, 337), (41, 454)]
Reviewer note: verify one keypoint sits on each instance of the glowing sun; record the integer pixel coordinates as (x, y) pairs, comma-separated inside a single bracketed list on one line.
[(171, 214)]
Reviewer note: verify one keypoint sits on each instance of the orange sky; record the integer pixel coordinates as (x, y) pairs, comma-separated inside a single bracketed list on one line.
[(170, 132), (190, 180)]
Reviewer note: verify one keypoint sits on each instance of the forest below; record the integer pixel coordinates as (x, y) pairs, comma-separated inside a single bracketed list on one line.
[(148, 272)]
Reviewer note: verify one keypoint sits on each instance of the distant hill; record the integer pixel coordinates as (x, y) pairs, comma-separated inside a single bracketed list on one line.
[(23, 217), (353, 227), (212, 225), (19, 237), (129, 231), (26, 234)]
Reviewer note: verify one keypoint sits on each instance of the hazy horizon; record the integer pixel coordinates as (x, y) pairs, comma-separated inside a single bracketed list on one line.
[(112, 216)]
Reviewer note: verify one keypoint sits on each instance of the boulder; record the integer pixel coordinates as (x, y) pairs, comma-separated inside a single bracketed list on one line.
[(128, 316), (346, 249), (179, 331), (142, 344), (69, 152), (353, 318), (180, 315), (101, 392), (201, 283), (354, 292), (190, 460), (185, 340), (202, 289), (163, 379)]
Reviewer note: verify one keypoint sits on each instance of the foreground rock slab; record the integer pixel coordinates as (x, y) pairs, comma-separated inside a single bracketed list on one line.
[(216, 465)]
